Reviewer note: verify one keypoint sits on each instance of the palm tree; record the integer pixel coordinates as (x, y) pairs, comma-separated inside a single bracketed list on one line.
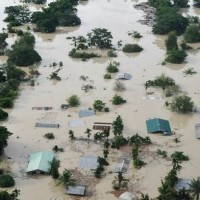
[(66, 179), (195, 188), (54, 165), (165, 191), (120, 181)]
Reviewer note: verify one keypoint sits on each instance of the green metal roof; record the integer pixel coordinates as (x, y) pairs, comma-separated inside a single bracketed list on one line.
[(158, 125), (40, 161)]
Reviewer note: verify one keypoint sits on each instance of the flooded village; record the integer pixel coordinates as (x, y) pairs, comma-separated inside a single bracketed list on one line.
[(108, 107)]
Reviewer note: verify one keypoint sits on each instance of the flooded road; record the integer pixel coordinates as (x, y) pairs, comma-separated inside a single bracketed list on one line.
[(119, 17)]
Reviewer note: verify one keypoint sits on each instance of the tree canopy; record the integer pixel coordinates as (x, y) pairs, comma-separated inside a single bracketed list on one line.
[(4, 135), (58, 13), (100, 37)]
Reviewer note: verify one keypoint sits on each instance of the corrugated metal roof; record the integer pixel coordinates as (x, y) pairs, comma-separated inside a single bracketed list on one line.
[(47, 125), (86, 113), (158, 125), (122, 166), (40, 161), (88, 162), (76, 190)]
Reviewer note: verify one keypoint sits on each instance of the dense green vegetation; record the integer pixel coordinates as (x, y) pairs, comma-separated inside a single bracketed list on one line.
[(100, 37), (117, 100), (23, 53), (162, 81), (58, 13), (83, 55), (3, 115), (192, 33), (3, 43), (197, 3), (167, 16), (4, 195), (17, 15), (73, 101), (6, 180), (131, 48), (4, 135), (99, 105), (113, 67), (10, 78), (182, 104)]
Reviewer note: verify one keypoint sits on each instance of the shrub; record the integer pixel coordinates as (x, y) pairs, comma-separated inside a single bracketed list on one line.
[(132, 48), (117, 100), (179, 156), (83, 55), (192, 34), (3, 115), (182, 104), (136, 34), (112, 67), (171, 42), (6, 180), (49, 136), (111, 53), (162, 153), (189, 71), (73, 101), (106, 109), (119, 86), (98, 105), (107, 76), (6, 102), (138, 163), (176, 56)]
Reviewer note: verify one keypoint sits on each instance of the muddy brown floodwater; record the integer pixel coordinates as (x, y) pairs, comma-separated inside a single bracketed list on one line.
[(119, 17)]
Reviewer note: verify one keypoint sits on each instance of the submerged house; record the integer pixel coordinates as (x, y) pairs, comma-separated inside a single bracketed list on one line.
[(158, 125), (39, 162), (76, 190), (102, 126)]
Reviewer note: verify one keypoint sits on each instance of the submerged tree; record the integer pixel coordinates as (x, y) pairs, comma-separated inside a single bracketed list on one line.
[(54, 165), (182, 104), (100, 37), (118, 126)]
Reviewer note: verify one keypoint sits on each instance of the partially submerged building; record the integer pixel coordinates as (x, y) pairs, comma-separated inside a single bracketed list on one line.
[(102, 126), (86, 112), (124, 76), (158, 125), (197, 130), (39, 162), (76, 190)]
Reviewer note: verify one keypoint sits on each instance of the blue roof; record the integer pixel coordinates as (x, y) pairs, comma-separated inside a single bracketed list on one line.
[(40, 161), (158, 125)]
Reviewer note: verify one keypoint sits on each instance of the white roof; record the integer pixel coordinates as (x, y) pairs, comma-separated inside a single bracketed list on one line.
[(127, 196)]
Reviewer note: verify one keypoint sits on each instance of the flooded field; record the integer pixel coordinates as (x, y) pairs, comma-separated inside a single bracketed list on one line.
[(119, 17)]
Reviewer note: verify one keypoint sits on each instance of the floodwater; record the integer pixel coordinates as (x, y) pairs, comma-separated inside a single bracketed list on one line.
[(119, 17)]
